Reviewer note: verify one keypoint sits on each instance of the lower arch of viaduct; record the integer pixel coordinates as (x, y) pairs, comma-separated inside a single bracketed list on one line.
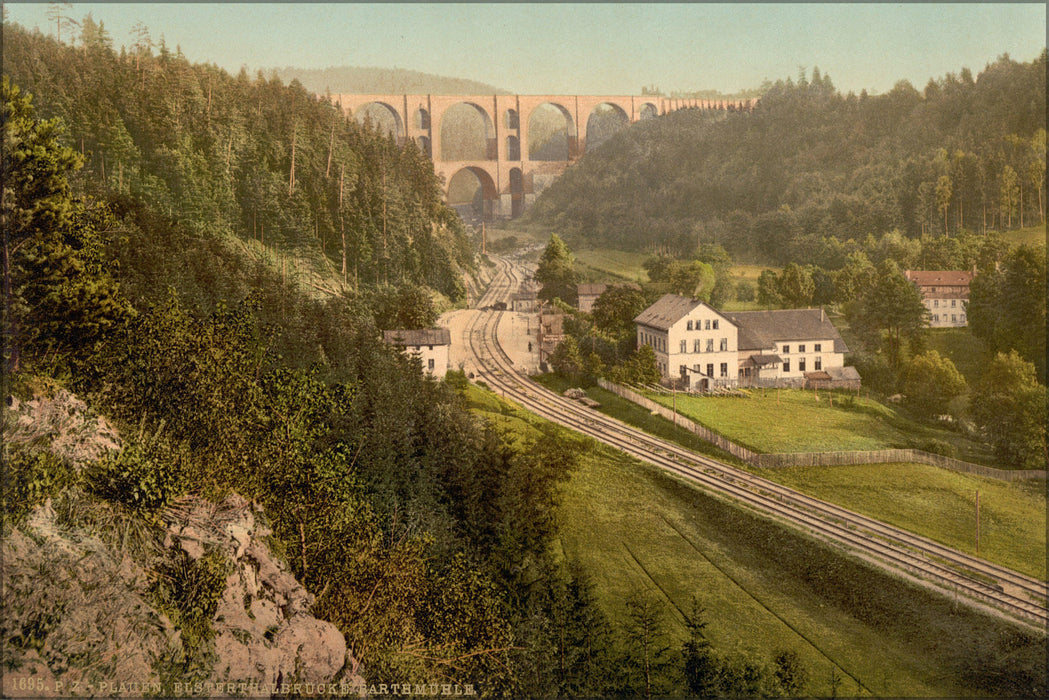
[(510, 180)]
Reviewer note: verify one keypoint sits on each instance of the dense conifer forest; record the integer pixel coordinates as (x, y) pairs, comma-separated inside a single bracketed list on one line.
[(810, 164)]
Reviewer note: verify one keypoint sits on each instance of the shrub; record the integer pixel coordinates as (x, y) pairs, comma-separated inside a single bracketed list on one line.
[(30, 479), (135, 479), (938, 447)]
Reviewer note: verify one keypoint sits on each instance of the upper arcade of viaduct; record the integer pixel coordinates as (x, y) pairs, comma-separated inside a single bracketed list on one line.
[(509, 178)]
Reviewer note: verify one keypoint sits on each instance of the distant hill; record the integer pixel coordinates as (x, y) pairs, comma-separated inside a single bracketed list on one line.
[(354, 79)]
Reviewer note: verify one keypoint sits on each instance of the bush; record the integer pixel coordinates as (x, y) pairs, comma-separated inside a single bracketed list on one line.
[(135, 479), (31, 478), (938, 447)]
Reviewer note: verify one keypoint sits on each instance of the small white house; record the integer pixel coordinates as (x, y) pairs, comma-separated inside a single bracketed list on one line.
[(789, 347), (431, 345)]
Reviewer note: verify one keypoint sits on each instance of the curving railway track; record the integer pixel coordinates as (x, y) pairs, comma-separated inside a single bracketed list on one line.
[(975, 581)]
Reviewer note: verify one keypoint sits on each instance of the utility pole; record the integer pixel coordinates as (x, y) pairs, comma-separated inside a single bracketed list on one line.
[(977, 523)]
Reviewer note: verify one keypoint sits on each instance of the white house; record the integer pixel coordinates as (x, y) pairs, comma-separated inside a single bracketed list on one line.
[(706, 348), (430, 345), (692, 341), (944, 293), (790, 347)]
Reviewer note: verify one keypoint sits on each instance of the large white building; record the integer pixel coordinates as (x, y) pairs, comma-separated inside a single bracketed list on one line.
[(944, 293), (692, 341), (705, 348), (431, 345)]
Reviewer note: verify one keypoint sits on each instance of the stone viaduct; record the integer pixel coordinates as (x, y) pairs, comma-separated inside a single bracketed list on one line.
[(509, 179)]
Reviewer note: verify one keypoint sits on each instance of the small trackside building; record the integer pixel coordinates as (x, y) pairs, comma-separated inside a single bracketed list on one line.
[(944, 293), (790, 347), (693, 342), (431, 345)]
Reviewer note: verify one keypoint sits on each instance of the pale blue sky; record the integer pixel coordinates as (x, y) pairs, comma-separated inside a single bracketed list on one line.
[(595, 48)]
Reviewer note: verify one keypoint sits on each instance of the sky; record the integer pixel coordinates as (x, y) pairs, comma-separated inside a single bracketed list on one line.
[(588, 48)]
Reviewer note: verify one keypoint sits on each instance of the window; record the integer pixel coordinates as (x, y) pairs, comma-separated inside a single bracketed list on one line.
[(817, 364), (710, 345), (710, 370), (708, 324), (724, 369), (801, 365), (724, 344), (696, 345), (801, 348), (818, 347), (689, 326), (936, 318), (786, 349), (786, 366), (431, 364), (429, 347), (715, 324), (954, 303), (684, 345), (954, 318), (936, 303)]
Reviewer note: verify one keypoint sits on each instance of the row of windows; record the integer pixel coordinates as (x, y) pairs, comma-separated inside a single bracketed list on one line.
[(936, 303), (683, 370), (818, 347), (817, 365), (655, 341), (954, 318), (707, 325), (698, 345)]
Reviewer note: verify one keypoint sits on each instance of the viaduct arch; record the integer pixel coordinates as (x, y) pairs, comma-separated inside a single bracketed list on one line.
[(510, 179)]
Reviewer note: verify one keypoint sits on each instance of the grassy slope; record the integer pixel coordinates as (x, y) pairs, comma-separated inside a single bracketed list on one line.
[(939, 504), (933, 502), (1030, 235), (604, 264), (792, 420), (766, 589)]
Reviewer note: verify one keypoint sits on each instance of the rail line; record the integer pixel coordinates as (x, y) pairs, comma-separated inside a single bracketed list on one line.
[(976, 581)]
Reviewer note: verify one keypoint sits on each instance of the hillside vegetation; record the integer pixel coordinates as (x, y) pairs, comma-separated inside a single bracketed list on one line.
[(967, 152), (380, 81)]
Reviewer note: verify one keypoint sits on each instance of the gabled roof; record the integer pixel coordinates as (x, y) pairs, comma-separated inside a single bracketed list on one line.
[(670, 309), (760, 330), (591, 290), (424, 336), (938, 278)]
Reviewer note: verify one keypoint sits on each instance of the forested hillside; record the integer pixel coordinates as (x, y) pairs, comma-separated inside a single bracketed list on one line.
[(146, 200), (380, 81), (216, 154), (967, 152)]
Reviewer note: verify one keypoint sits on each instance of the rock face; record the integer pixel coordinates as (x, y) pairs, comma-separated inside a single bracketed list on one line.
[(79, 617), (263, 630)]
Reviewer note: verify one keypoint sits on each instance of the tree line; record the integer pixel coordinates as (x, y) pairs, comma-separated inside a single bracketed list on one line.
[(967, 153)]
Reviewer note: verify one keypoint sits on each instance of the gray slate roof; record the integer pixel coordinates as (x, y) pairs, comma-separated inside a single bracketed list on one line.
[(425, 336), (670, 309), (760, 330)]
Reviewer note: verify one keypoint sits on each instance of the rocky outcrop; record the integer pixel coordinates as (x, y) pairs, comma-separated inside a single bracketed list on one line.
[(80, 615), (264, 633)]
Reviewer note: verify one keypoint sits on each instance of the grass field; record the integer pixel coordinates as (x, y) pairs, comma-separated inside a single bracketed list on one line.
[(793, 420), (1030, 235), (939, 504), (601, 263), (766, 588)]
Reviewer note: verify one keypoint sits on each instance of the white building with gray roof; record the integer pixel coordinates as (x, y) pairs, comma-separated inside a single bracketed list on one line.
[(431, 345), (706, 348)]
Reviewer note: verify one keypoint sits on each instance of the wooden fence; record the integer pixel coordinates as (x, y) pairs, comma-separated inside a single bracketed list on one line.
[(819, 459)]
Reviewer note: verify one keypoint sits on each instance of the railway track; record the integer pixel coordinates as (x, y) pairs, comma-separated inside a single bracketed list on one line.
[(975, 581)]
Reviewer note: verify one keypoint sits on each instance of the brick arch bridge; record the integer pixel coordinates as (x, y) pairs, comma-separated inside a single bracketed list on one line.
[(509, 179)]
